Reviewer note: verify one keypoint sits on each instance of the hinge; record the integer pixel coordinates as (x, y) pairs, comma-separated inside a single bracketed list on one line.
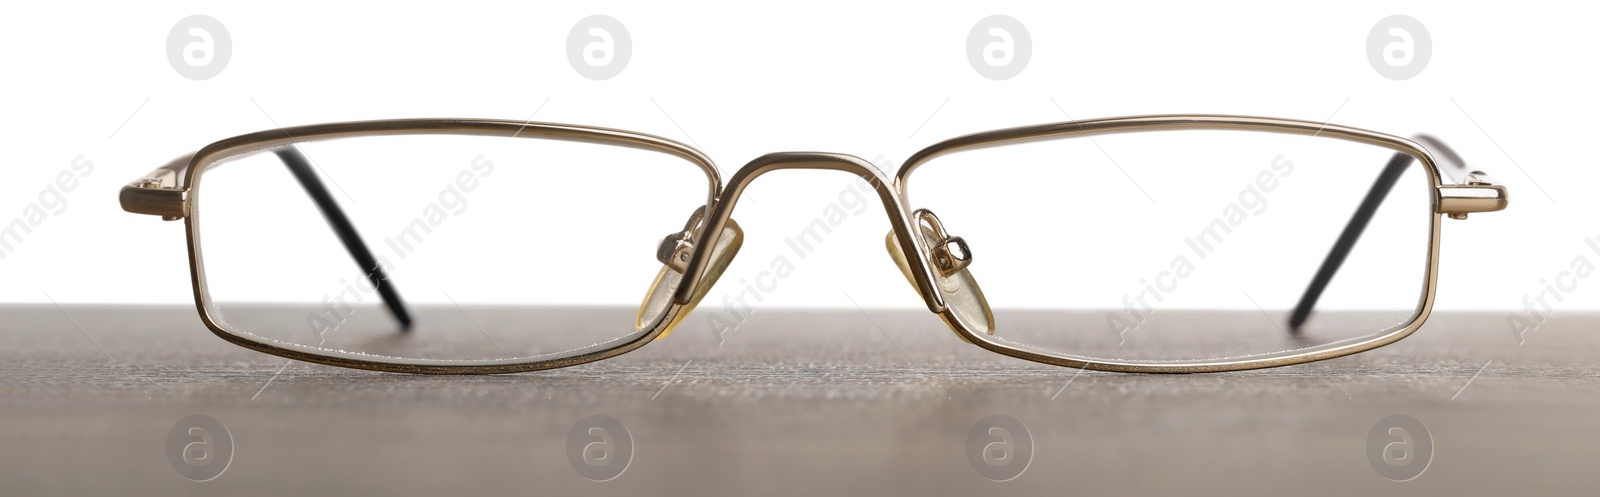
[(158, 193), (1479, 193)]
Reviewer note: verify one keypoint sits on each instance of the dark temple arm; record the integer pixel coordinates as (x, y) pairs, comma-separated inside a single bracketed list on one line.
[(307, 176), (1475, 192), (1347, 239)]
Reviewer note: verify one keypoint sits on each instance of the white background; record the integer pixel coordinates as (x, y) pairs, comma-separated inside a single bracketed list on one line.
[(1511, 87)]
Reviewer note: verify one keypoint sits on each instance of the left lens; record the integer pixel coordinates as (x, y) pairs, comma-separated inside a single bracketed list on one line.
[(505, 249)]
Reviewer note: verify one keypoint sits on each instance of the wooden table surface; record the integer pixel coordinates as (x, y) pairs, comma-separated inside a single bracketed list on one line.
[(810, 403)]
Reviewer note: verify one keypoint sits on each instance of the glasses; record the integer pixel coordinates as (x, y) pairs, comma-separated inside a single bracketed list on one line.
[(1162, 244)]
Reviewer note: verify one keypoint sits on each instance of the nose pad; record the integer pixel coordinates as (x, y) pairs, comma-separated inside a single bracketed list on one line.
[(674, 253), (950, 257)]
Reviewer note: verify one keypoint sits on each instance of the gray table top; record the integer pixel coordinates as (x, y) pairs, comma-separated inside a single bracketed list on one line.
[(793, 402)]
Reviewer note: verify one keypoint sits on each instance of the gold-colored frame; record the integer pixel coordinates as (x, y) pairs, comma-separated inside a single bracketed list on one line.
[(171, 191), (1454, 200)]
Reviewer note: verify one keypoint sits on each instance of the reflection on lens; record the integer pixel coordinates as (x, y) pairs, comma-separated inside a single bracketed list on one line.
[(1183, 246), (502, 248)]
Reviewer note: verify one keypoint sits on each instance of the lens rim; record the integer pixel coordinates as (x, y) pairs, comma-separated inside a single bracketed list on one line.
[(1136, 124), (189, 182)]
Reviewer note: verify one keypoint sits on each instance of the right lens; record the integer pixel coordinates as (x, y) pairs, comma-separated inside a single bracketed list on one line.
[(1183, 246), (506, 249)]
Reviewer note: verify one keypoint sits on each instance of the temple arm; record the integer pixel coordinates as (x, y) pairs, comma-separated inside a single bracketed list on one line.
[(160, 193), (301, 168), (1347, 238), (1475, 192)]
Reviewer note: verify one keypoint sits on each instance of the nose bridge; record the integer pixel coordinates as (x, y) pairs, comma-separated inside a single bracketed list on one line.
[(899, 221)]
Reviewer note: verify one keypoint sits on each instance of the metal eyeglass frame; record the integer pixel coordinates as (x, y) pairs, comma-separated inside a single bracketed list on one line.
[(936, 267)]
